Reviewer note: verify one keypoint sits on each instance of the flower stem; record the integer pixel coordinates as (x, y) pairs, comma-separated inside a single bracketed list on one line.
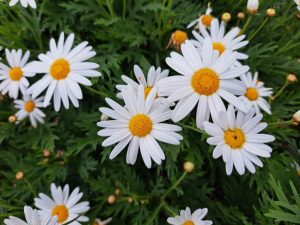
[(191, 128), (168, 209), (92, 90), (259, 28), (280, 91), (246, 24), (280, 123)]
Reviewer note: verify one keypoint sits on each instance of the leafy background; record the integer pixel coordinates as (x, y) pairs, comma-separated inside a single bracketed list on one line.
[(128, 32)]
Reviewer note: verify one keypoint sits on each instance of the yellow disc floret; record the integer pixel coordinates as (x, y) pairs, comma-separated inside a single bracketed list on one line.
[(15, 73), (252, 94), (179, 37), (29, 106), (206, 20), (60, 69), (140, 125), (61, 212), (219, 47), (234, 138), (205, 81), (147, 91), (188, 223)]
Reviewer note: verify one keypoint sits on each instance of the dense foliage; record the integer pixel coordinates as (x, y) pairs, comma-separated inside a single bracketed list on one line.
[(128, 32)]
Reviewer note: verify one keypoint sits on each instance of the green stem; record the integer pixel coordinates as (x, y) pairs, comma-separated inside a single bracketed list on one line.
[(168, 209), (124, 9), (280, 123), (246, 24), (92, 90), (280, 91), (191, 128), (259, 28), (110, 8)]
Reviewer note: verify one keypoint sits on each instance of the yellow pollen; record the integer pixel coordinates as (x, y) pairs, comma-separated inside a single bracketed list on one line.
[(206, 20), (219, 47), (205, 82), (234, 138), (61, 212), (60, 69), (140, 125), (188, 223), (179, 37), (252, 94), (15, 73), (29, 106), (147, 91)]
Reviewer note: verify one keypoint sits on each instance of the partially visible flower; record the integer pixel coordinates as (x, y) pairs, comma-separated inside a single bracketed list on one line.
[(29, 107), (188, 218), (204, 20), (252, 6), (13, 77), (63, 205), (255, 93), (238, 141), (32, 218), (64, 69), (296, 117), (24, 3), (100, 222), (178, 37), (298, 4)]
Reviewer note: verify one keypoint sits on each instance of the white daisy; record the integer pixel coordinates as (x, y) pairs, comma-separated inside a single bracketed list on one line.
[(64, 68), (13, 77), (238, 141), (252, 6), (205, 78), (29, 107), (63, 205), (204, 20), (231, 41), (187, 218), (154, 75), (298, 4), (138, 124), (24, 3), (255, 91), (32, 218)]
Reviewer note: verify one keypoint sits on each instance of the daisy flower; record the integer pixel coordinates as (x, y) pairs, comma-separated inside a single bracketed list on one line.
[(32, 218), (231, 41), (238, 141), (252, 6), (64, 69), (205, 78), (24, 3), (178, 37), (204, 20), (298, 4), (63, 205), (29, 107), (188, 218), (138, 124), (13, 77), (255, 91), (153, 76)]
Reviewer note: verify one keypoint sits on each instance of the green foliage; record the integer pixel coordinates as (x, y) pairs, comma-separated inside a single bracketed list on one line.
[(128, 32)]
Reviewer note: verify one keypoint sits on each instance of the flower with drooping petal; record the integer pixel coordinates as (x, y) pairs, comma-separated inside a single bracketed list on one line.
[(24, 3), (188, 218), (238, 139), (204, 20), (63, 205), (204, 79), (64, 69), (138, 124), (13, 78)]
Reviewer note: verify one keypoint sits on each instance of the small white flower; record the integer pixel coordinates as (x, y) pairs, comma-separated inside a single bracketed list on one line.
[(238, 141), (63, 205), (32, 218), (187, 218), (29, 107), (13, 77), (230, 41), (204, 79), (104, 222), (255, 93), (24, 3), (64, 68), (204, 20), (252, 5), (138, 124)]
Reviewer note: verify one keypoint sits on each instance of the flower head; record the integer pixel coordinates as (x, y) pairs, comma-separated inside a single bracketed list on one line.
[(203, 20), (252, 6), (24, 3), (188, 218)]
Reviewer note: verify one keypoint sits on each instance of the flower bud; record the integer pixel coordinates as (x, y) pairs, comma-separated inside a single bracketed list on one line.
[(130, 200), (117, 191), (296, 117), (12, 119), (291, 78), (188, 166), (241, 15), (252, 6), (46, 153), (104, 117), (226, 17), (20, 175), (111, 199), (271, 12)]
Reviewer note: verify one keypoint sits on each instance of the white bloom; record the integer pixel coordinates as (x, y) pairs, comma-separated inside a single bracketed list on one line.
[(230, 41), (205, 78), (24, 3), (64, 68), (63, 205), (104, 222), (29, 107), (138, 124), (296, 117), (204, 20), (13, 77), (298, 4), (154, 75), (255, 93), (252, 5), (32, 218), (238, 141), (187, 218)]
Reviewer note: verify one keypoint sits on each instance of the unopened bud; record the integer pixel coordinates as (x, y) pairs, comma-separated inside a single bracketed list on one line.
[(296, 117), (111, 199), (226, 17), (271, 12), (12, 119), (291, 78), (104, 117), (188, 166), (241, 15), (20, 175)]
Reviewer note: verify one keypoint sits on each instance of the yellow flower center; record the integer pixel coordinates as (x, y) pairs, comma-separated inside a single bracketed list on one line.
[(147, 91), (179, 37), (15, 73), (206, 20), (205, 82), (140, 125), (60, 69), (29, 106), (234, 138), (219, 47), (252, 94), (188, 223), (61, 212)]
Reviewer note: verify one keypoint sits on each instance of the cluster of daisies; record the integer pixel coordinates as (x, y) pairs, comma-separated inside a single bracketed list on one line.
[(60, 70)]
